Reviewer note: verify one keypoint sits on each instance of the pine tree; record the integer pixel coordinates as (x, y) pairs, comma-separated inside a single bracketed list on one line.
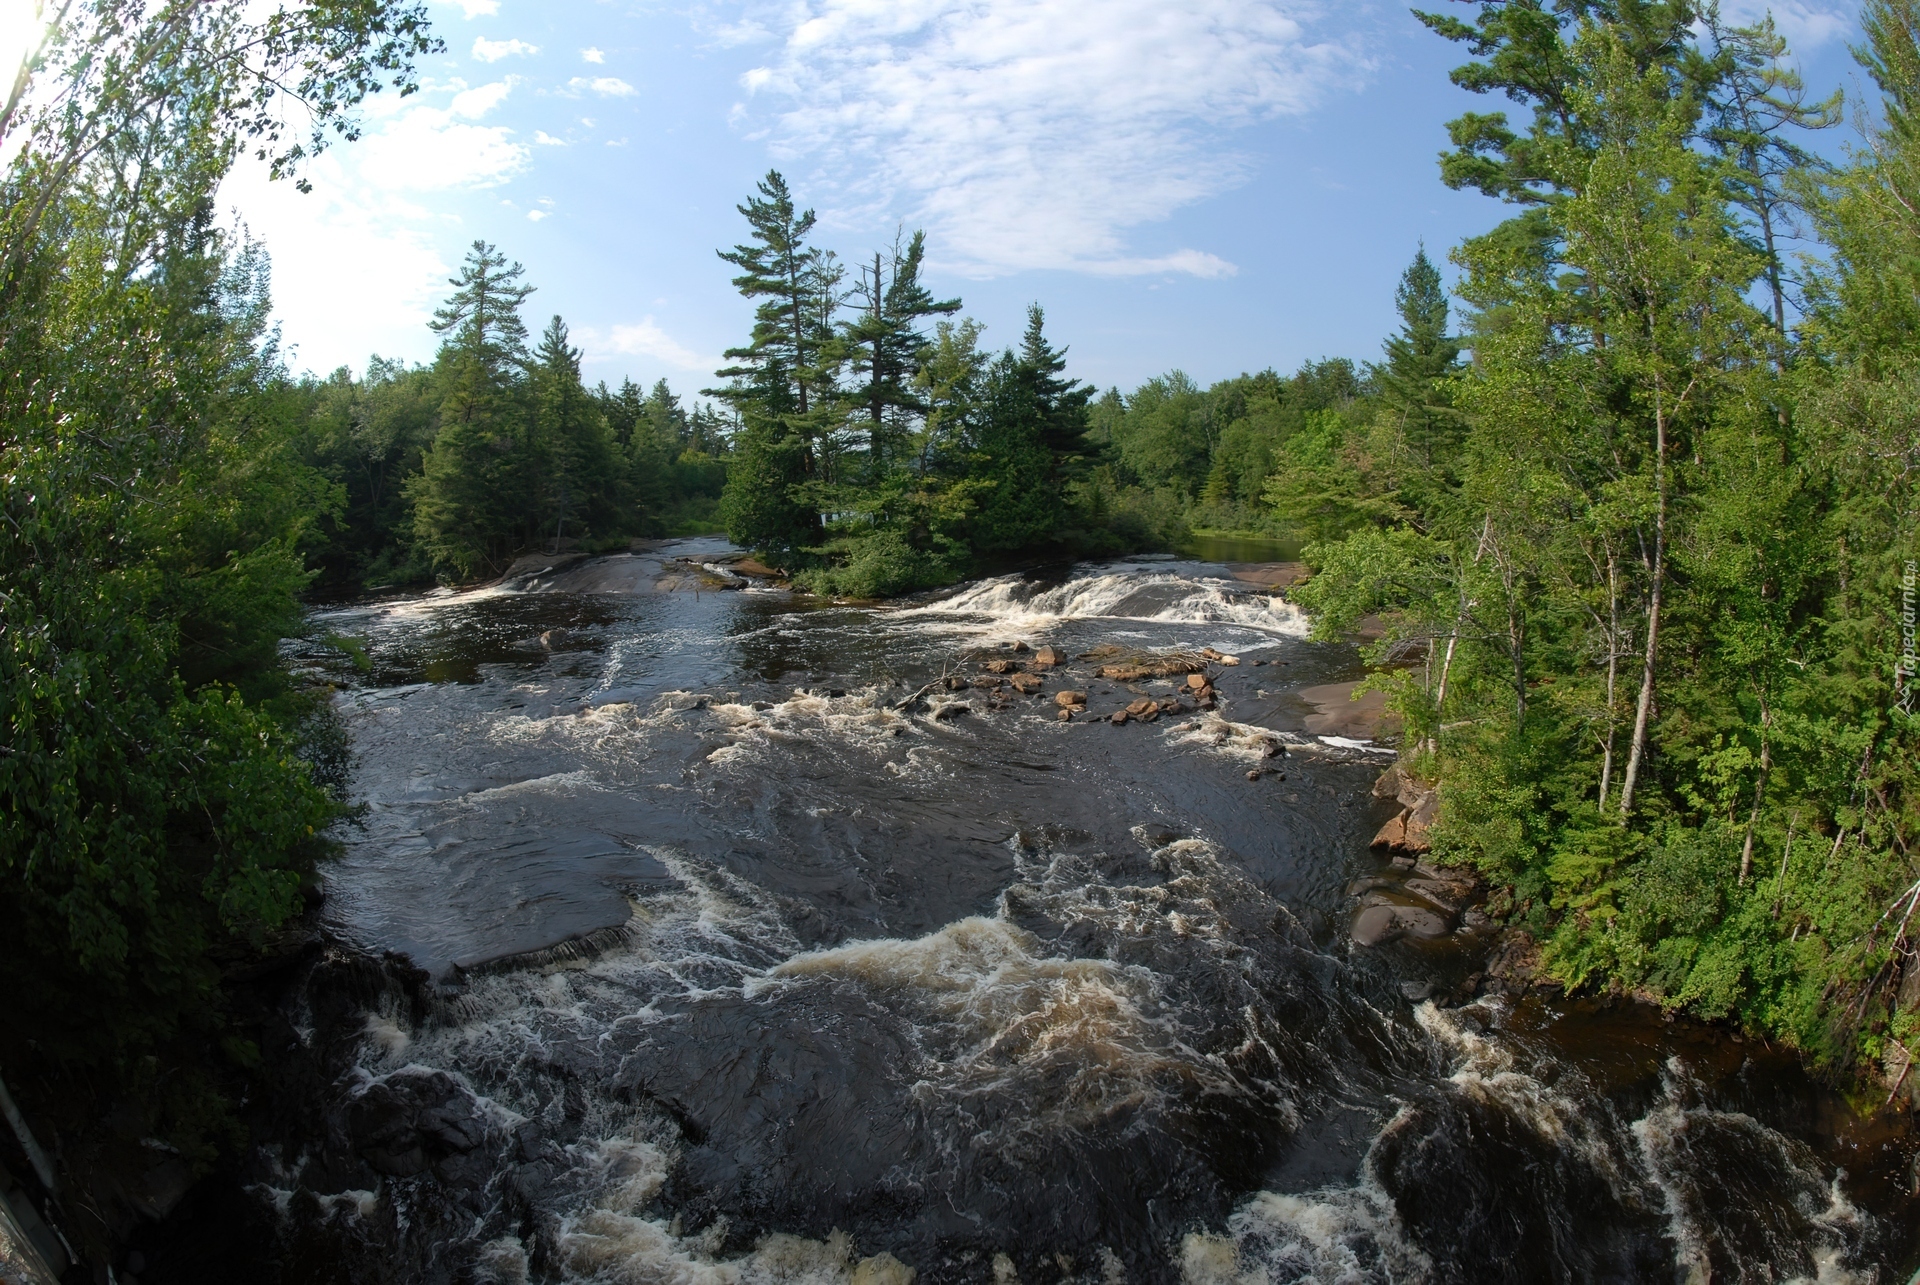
[(1030, 440), (793, 323), (782, 382), (1420, 360), (887, 346), (1759, 96), (583, 489), (474, 495)]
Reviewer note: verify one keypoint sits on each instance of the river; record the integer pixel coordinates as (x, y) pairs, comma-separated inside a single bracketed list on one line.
[(739, 971)]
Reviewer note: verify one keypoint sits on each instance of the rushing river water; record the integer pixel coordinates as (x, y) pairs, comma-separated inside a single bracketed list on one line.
[(747, 974)]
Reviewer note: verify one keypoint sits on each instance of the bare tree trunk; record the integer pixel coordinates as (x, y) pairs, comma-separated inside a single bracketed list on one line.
[(1780, 882), (1613, 669), (1759, 793), (1453, 641), (1643, 712)]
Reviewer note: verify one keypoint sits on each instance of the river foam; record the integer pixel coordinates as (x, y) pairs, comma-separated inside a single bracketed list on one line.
[(1017, 607)]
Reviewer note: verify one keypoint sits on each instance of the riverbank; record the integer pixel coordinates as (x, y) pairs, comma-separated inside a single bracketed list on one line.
[(693, 933)]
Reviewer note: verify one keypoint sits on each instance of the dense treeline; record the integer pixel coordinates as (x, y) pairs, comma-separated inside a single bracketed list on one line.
[(453, 469), (874, 456), (1644, 565), (1640, 533), (1307, 455), (162, 781)]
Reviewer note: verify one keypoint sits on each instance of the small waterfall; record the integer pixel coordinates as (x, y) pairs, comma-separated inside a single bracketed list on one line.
[(1015, 604)]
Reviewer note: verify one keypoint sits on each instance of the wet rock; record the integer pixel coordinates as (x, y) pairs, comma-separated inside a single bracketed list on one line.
[(414, 1120), (1066, 713), (1070, 698), (1393, 834), (1388, 786), (952, 711), (989, 684), (1021, 647), (1049, 656), (1414, 990), (1253, 774), (1003, 667), (882, 1269), (956, 684), (1378, 924), (1514, 964), (1025, 684), (1373, 926), (1119, 716), (1198, 682), (1419, 824), (554, 638), (1219, 658), (1139, 708)]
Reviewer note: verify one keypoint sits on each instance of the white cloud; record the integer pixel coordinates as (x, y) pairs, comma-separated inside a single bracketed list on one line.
[(478, 8), (1035, 133), (478, 101), (605, 86), (1807, 26), (534, 216), (355, 270), (645, 339), (545, 139), (494, 50), (591, 54), (426, 148)]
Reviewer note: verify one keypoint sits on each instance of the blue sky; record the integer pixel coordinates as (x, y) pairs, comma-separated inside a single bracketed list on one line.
[(1210, 185)]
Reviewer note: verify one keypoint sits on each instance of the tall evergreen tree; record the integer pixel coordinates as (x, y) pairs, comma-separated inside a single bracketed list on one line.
[(887, 346), (1420, 360), (583, 488), (781, 382), (475, 495), (1758, 96)]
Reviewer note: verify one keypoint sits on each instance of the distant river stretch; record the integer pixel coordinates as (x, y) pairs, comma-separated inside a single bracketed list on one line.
[(746, 967)]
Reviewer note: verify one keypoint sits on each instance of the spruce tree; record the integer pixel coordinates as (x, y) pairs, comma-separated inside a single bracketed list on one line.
[(781, 382), (474, 494), (887, 346), (582, 491), (1420, 359)]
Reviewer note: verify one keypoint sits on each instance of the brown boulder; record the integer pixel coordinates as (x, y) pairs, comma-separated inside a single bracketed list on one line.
[(1003, 666), (1070, 698), (1049, 656), (1393, 834), (1025, 684), (1419, 824), (1119, 717), (1142, 705), (1197, 681)]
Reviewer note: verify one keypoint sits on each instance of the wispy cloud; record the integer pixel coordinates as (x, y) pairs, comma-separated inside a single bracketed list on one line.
[(643, 339), (605, 86), (591, 54), (426, 148), (545, 139), (1037, 133), (477, 8), (494, 50), (1807, 24)]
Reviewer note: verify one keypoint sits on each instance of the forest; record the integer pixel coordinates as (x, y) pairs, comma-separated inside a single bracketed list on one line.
[(1630, 506)]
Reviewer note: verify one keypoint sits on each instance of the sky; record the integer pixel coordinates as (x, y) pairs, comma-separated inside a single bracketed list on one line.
[(1215, 186)]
